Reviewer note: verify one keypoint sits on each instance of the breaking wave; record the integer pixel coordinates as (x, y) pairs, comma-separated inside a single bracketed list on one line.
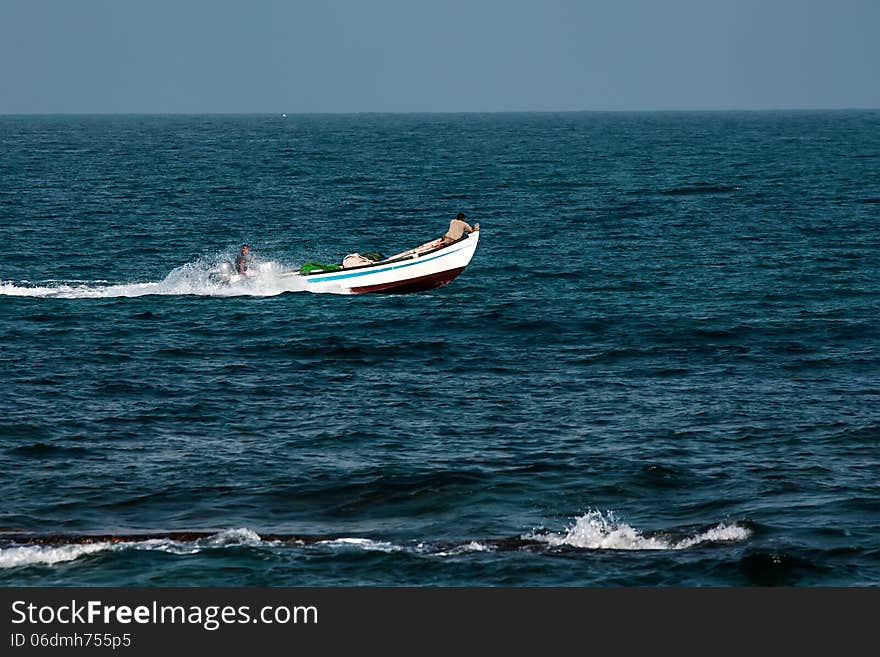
[(596, 530), (362, 544), (49, 555), (29, 555), (592, 531)]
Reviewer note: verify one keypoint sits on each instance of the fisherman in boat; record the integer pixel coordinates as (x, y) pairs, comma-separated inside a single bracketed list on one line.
[(457, 228), (242, 259)]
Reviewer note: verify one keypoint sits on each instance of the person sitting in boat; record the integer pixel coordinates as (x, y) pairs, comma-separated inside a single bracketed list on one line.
[(457, 228), (241, 259)]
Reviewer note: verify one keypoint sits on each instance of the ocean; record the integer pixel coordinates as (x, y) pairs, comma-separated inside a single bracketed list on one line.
[(661, 367)]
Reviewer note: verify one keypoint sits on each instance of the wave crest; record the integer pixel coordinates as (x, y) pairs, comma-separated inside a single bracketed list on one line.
[(596, 530), (49, 555)]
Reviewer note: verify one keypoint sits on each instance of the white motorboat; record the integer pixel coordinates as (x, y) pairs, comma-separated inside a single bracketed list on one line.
[(425, 267)]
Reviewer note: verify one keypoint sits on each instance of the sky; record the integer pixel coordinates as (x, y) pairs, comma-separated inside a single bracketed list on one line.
[(256, 56)]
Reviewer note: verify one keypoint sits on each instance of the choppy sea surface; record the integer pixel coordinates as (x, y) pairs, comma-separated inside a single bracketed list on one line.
[(662, 366)]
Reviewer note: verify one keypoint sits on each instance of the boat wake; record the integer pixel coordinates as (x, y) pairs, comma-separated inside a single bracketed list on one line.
[(266, 278), (592, 531)]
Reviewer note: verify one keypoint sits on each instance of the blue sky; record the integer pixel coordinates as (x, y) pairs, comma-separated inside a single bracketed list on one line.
[(455, 55)]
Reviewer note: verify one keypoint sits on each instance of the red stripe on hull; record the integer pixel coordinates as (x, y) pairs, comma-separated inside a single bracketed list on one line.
[(420, 284)]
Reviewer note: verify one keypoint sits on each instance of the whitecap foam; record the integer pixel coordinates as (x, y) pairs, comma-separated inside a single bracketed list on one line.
[(596, 530), (162, 545), (29, 555), (473, 546), (362, 543), (241, 536), (721, 533)]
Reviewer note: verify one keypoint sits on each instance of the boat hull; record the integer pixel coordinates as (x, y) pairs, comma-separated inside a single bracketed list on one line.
[(417, 272), (420, 284)]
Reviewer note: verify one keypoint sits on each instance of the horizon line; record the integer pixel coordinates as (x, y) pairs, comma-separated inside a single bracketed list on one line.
[(448, 112)]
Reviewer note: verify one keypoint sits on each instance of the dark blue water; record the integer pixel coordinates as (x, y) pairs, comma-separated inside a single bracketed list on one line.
[(662, 366)]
